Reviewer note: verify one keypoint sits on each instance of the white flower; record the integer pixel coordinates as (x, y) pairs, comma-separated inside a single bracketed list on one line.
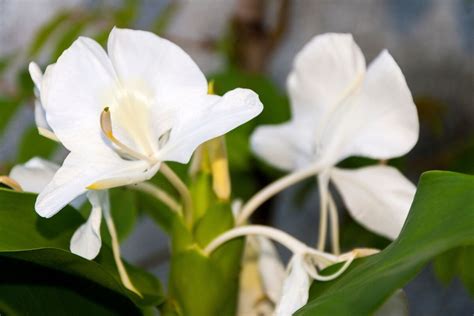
[(35, 174), (122, 113), (341, 109)]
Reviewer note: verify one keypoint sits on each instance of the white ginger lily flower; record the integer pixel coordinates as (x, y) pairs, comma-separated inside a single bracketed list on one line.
[(122, 112), (35, 174), (341, 109)]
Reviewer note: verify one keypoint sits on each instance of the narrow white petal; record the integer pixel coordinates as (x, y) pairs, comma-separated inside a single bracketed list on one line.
[(34, 175), (328, 68), (295, 288), (286, 146), (86, 241), (380, 122), (271, 269), (378, 197), (36, 74), (396, 305), (211, 116), (79, 172), (76, 92)]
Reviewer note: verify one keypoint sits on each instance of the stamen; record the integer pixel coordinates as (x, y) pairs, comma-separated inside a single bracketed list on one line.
[(106, 126), (9, 182)]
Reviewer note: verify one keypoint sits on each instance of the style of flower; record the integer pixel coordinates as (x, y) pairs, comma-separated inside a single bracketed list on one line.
[(35, 174), (124, 112), (341, 109)]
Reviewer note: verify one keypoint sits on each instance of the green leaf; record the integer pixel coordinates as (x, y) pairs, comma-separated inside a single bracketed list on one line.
[(8, 107), (124, 208), (45, 242), (441, 218), (45, 32), (456, 263), (33, 144), (214, 277)]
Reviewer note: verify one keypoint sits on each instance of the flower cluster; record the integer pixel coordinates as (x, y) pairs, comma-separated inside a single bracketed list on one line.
[(123, 113)]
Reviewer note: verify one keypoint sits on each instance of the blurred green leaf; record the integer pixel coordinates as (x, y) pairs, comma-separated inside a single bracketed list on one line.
[(441, 218), (45, 242), (46, 31), (125, 15), (164, 18), (456, 263), (124, 208), (8, 107), (69, 33), (33, 144)]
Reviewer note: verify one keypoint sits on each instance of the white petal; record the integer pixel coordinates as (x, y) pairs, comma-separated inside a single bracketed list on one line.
[(141, 57), (396, 305), (295, 288), (325, 70), (36, 74), (86, 241), (79, 172), (380, 122), (378, 197), (211, 116), (75, 94), (34, 175), (286, 146), (271, 269)]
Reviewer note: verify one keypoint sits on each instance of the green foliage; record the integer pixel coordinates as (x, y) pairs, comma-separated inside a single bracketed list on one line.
[(441, 218), (37, 244), (33, 144)]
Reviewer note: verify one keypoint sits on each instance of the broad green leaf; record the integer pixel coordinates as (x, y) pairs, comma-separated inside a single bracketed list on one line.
[(30, 289), (45, 242), (441, 218)]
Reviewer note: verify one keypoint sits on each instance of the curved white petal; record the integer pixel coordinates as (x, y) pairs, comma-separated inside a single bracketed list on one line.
[(143, 58), (98, 172), (286, 146), (211, 116), (36, 74), (378, 197), (86, 241), (295, 288), (380, 122), (271, 269), (396, 305), (34, 175), (327, 68), (75, 94)]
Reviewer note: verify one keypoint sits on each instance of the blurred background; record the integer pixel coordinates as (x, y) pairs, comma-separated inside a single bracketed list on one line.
[(251, 43)]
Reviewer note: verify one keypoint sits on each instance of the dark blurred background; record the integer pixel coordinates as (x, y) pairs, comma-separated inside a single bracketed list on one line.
[(251, 43)]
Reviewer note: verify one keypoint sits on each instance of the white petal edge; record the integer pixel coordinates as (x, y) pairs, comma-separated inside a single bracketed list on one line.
[(327, 68), (86, 241), (295, 290), (34, 175), (380, 122), (287, 146), (79, 172), (272, 271), (378, 197), (141, 57), (211, 116)]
